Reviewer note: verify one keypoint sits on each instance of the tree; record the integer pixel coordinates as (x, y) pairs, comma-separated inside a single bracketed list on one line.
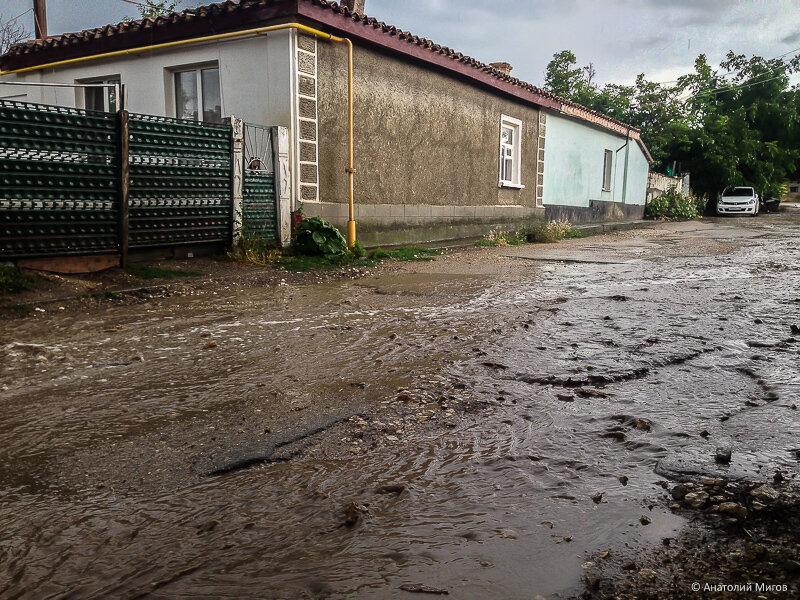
[(11, 32), (154, 8), (562, 77), (736, 125)]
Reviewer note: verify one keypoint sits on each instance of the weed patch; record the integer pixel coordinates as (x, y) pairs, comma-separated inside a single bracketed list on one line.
[(14, 280), (544, 233), (141, 272)]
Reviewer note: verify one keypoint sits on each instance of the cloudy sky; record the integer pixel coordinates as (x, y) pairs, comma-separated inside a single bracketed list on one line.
[(620, 37)]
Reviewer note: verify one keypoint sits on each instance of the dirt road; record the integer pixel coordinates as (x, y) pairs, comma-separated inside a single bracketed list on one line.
[(486, 424)]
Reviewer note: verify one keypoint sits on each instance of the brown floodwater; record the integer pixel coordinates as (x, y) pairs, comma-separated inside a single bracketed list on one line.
[(546, 379)]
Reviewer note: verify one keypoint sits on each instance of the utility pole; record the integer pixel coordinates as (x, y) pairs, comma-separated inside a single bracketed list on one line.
[(40, 18)]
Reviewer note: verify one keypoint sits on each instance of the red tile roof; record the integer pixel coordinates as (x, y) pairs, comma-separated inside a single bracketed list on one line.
[(237, 14)]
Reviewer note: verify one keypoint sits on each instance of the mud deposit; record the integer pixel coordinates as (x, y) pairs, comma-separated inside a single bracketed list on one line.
[(484, 425)]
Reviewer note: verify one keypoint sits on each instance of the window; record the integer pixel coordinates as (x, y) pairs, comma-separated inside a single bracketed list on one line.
[(510, 154), (607, 163), (793, 189), (197, 95), (101, 98)]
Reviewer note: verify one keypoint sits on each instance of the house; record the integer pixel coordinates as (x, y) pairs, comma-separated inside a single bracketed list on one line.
[(445, 146)]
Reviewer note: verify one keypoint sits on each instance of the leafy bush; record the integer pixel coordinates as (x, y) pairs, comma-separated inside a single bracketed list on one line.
[(675, 206), (317, 237)]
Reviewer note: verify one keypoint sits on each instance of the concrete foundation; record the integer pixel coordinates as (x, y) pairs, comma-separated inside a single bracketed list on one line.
[(391, 224), (597, 211)]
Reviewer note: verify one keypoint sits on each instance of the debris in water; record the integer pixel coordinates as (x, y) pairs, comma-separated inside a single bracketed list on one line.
[(423, 589), (723, 455), (352, 514), (391, 489), (645, 520), (597, 498)]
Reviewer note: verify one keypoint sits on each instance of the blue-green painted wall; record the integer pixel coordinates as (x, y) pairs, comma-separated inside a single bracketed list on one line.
[(573, 164)]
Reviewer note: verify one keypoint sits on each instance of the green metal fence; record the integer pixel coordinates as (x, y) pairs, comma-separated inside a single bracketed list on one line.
[(259, 216), (180, 182), (65, 174), (59, 181)]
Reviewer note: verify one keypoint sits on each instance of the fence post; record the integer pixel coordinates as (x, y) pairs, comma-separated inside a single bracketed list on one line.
[(237, 164), (283, 207), (124, 181)]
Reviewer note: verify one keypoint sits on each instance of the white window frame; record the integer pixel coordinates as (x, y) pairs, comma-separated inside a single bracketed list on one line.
[(515, 149), (198, 71), (608, 170), (107, 80)]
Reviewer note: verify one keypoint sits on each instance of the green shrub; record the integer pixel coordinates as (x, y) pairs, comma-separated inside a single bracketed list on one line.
[(357, 251), (675, 206), (14, 279), (317, 237)]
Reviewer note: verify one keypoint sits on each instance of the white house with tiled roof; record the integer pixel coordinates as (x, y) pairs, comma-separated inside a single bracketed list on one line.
[(444, 145)]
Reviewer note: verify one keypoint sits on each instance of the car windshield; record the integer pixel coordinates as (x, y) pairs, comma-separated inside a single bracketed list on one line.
[(739, 192)]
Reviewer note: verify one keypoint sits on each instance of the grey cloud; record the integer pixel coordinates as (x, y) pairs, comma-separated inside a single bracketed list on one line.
[(792, 38)]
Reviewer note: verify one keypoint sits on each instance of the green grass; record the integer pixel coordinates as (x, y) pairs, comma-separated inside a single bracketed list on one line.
[(14, 280), (577, 233), (157, 273), (17, 309), (373, 257), (405, 253)]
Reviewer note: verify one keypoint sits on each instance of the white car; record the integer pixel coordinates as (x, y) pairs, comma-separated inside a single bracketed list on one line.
[(739, 201)]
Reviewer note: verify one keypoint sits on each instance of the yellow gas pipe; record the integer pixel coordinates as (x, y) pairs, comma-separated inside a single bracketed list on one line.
[(351, 223)]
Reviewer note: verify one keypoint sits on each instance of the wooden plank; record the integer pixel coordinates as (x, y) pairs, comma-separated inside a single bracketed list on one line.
[(91, 263)]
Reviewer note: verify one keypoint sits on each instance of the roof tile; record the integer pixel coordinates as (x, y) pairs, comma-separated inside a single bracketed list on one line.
[(86, 37)]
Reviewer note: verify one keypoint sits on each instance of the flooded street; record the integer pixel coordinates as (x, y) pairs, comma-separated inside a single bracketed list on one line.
[(480, 424)]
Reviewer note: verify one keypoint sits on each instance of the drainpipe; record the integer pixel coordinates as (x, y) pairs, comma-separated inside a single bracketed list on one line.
[(350, 170), (625, 170)]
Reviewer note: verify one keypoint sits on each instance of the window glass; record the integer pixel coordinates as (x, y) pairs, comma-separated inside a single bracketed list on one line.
[(607, 169), (94, 99), (186, 99), (100, 98), (111, 95), (212, 104), (509, 150)]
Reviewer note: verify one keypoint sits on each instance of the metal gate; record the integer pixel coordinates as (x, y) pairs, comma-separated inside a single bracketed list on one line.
[(259, 210), (59, 181)]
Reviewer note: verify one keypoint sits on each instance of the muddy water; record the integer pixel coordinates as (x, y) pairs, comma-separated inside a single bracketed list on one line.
[(545, 383)]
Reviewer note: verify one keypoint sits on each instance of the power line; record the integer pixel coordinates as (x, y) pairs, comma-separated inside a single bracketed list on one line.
[(730, 72), (19, 16)]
